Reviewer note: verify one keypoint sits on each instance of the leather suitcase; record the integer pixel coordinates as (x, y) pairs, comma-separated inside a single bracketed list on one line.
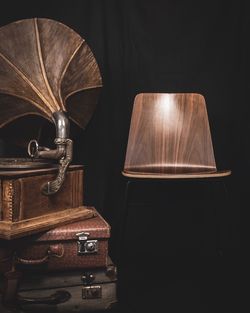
[(24, 210), (75, 291), (78, 245)]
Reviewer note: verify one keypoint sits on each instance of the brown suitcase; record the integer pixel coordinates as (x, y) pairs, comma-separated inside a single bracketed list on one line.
[(77, 245), (24, 210)]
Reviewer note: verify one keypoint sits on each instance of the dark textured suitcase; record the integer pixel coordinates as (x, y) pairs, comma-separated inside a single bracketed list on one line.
[(75, 291), (77, 245)]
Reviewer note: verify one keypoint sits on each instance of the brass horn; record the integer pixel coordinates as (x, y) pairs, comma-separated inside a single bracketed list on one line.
[(43, 64)]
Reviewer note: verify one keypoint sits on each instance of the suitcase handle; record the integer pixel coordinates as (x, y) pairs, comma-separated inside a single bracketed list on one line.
[(58, 297), (53, 250)]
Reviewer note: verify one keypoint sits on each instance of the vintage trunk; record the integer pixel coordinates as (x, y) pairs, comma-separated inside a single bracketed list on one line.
[(77, 245), (25, 210), (76, 291)]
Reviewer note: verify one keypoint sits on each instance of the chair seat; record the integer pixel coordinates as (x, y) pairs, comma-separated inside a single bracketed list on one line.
[(173, 172)]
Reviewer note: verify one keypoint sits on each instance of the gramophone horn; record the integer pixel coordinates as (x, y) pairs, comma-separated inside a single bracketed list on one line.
[(47, 69)]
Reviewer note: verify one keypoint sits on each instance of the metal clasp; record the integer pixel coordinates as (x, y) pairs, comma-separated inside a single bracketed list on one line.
[(92, 292), (85, 245)]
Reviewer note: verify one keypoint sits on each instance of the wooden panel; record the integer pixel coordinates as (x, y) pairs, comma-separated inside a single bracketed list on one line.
[(22, 198), (33, 203), (7, 200), (169, 135), (11, 230), (11, 174)]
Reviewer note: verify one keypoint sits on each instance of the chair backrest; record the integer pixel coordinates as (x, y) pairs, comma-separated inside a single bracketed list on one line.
[(169, 134)]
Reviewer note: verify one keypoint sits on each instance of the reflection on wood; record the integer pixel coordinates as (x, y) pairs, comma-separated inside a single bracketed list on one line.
[(170, 138)]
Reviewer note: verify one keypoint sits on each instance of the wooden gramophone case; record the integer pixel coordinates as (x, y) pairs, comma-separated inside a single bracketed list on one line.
[(46, 70), (25, 210)]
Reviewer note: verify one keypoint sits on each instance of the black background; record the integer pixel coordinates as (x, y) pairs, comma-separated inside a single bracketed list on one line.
[(166, 46)]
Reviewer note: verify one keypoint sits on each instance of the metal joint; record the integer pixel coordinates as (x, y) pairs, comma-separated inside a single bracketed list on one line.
[(63, 152), (85, 245)]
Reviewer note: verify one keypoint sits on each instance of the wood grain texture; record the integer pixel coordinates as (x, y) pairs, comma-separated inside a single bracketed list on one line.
[(12, 230), (22, 198), (170, 137), (11, 174), (42, 63), (25, 210)]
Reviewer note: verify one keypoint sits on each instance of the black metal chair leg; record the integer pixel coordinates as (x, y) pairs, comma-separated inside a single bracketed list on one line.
[(123, 224)]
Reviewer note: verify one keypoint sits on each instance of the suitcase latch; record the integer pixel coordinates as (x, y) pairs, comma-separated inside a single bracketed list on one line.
[(92, 292), (85, 245)]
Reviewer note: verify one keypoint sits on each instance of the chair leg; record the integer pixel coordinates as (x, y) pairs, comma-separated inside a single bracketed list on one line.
[(226, 240), (123, 224), (221, 200)]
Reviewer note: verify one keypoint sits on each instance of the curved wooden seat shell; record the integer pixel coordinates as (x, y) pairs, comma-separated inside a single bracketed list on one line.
[(169, 138)]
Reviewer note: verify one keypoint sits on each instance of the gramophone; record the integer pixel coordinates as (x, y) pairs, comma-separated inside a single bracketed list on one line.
[(46, 70)]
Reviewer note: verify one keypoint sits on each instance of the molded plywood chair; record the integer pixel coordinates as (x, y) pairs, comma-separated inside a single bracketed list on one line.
[(169, 139)]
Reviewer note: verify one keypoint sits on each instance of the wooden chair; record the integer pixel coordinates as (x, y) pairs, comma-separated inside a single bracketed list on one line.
[(169, 139)]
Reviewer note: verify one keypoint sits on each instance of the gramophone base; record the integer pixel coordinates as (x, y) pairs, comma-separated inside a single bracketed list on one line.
[(12, 230)]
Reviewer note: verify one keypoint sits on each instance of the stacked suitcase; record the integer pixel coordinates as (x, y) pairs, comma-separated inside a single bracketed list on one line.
[(65, 269)]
